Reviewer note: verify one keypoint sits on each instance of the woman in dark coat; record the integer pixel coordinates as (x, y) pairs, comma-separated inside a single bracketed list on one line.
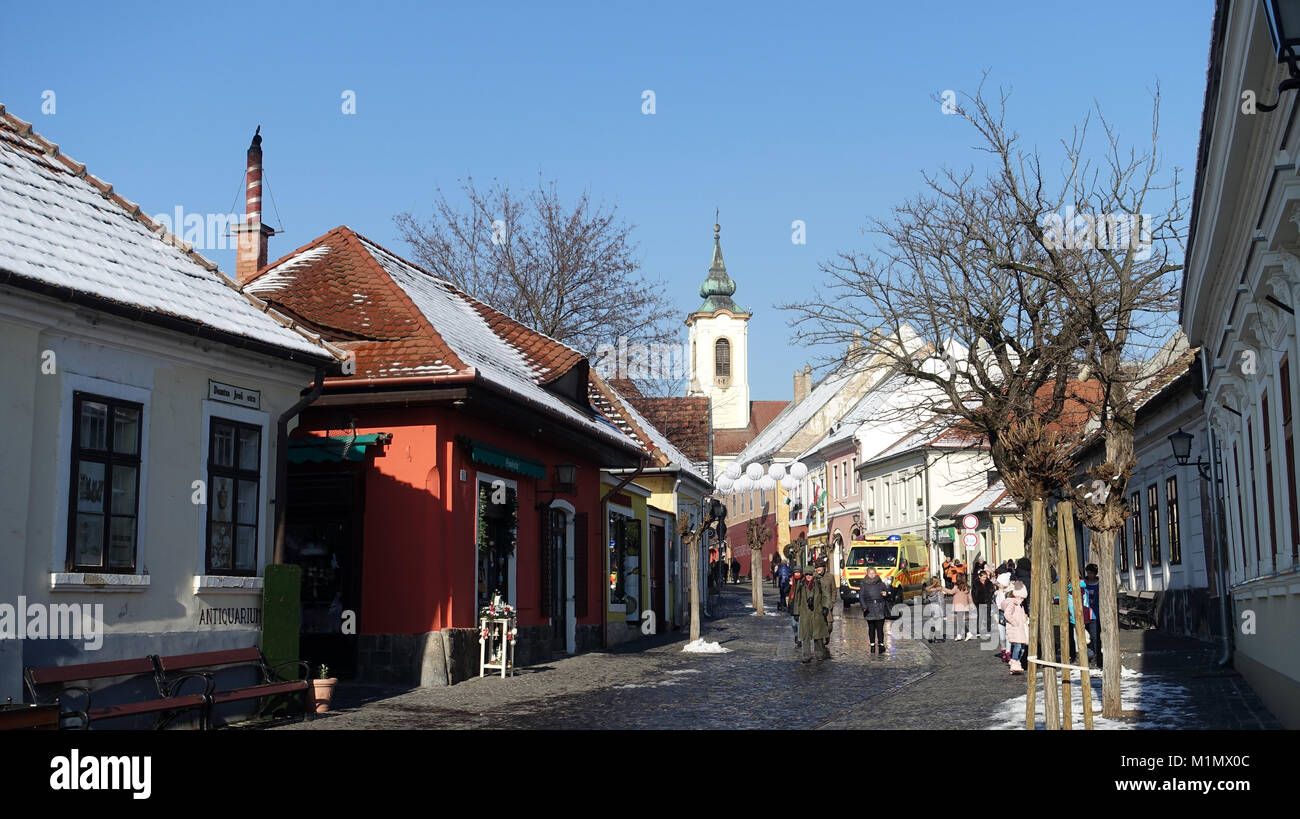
[(982, 595), (874, 597)]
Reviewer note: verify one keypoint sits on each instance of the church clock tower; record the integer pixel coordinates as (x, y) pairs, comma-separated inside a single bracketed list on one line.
[(719, 331)]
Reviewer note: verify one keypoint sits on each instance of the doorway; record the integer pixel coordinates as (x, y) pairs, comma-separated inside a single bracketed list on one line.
[(558, 569), (323, 526), (658, 575)]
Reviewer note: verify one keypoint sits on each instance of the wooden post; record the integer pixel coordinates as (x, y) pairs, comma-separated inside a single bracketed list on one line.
[(1063, 619), (1036, 515), (1072, 566)]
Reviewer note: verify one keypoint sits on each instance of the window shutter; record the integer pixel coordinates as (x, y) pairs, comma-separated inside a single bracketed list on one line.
[(581, 581)]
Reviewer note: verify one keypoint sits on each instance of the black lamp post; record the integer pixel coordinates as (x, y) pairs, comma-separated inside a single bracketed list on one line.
[(1284, 26), (1182, 444)]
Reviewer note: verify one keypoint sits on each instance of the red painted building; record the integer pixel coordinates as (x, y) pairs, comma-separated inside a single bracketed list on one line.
[(461, 458)]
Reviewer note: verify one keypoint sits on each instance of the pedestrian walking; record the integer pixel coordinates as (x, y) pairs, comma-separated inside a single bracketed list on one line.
[(962, 606), (934, 610), (874, 596), (1003, 585), (776, 567), (735, 570), (1017, 625), (782, 575), (982, 595), (947, 573), (1092, 596), (814, 598), (796, 582)]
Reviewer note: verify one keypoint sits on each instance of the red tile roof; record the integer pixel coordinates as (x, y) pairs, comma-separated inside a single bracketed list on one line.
[(682, 420), (761, 413)]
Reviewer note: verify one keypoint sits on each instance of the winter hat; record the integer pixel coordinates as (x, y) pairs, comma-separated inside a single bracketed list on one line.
[(1004, 580)]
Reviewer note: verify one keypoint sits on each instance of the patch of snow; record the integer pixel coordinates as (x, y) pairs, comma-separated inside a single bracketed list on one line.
[(683, 671), (1163, 704), (702, 646)]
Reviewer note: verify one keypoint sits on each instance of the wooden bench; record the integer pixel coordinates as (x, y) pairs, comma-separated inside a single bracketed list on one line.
[(168, 704), (174, 667)]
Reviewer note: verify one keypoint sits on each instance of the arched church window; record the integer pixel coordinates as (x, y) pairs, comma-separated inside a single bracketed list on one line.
[(722, 358)]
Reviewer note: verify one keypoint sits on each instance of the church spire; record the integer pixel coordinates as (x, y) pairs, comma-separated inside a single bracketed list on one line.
[(718, 288)]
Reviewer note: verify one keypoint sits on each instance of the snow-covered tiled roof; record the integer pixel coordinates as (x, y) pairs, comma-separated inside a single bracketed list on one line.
[(403, 321), (867, 406), (794, 417), (65, 231), (644, 432), (994, 497)]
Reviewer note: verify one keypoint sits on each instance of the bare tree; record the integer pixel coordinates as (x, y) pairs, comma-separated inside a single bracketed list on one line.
[(1093, 241), (568, 271)]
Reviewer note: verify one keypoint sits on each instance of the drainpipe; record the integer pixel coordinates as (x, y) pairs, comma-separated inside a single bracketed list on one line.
[(282, 459), (1220, 537)]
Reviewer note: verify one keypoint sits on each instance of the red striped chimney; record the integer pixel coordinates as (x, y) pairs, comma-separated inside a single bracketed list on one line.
[(253, 233)]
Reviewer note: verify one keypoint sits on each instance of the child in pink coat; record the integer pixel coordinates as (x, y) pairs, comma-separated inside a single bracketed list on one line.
[(1017, 625)]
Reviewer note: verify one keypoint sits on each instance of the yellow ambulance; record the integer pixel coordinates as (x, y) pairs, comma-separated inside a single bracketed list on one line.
[(902, 561)]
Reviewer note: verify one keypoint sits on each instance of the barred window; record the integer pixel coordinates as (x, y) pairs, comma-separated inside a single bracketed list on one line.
[(1135, 508), (1153, 512)]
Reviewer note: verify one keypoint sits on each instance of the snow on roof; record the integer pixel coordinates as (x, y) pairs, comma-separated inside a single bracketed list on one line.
[(794, 417), (656, 438), (990, 498), (861, 412), (465, 330), (64, 228)]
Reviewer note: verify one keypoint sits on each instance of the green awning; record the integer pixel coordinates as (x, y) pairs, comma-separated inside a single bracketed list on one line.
[(336, 448), (495, 456)]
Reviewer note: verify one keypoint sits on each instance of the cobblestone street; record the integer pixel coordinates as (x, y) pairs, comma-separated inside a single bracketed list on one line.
[(760, 683)]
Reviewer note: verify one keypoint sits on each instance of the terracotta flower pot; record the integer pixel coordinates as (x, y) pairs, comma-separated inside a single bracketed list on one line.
[(323, 691)]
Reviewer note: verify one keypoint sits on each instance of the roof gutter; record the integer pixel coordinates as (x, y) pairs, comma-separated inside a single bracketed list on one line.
[(282, 459), (403, 381), (631, 477)]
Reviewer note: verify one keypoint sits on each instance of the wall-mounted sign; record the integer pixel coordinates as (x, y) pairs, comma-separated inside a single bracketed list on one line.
[(230, 617), (231, 394), (1008, 528)]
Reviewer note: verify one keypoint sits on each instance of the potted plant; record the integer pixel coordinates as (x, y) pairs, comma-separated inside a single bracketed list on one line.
[(323, 689)]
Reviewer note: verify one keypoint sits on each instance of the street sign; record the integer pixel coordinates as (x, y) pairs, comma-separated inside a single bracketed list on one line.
[(970, 540), (970, 522)]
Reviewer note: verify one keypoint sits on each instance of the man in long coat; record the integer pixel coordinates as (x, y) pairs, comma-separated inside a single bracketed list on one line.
[(814, 601)]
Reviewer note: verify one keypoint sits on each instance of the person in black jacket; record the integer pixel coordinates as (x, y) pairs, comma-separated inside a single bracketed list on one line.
[(874, 597), (981, 593)]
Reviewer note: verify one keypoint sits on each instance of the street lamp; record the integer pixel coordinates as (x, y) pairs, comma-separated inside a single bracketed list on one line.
[(1284, 27), (1182, 445)]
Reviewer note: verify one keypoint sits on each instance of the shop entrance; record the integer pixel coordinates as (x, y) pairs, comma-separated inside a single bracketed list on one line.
[(323, 526), (657, 584)]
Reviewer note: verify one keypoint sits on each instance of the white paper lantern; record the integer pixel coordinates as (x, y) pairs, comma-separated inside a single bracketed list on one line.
[(754, 471), (798, 471), (725, 484), (742, 484), (776, 471), (788, 483), (733, 470), (767, 483)]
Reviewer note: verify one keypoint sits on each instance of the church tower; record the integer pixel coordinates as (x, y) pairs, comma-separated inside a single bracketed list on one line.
[(719, 331)]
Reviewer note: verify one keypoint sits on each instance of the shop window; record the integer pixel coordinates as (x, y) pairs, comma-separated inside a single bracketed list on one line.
[(1241, 511), (498, 535), (625, 562), (105, 489), (234, 487), (1153, 513), (1175, 537)]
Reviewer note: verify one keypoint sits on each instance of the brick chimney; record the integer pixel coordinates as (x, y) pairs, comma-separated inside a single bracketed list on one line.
[(253, 234), (802, 383)]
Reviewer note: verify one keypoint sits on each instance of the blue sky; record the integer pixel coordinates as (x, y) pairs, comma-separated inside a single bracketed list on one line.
[(770, 112)]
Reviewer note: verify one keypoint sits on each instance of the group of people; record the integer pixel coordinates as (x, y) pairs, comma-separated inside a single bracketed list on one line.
[(720, 568), (1005, 591), (809, 595)]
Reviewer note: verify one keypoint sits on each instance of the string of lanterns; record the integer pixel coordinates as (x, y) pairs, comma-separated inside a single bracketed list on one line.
[(735, 479)]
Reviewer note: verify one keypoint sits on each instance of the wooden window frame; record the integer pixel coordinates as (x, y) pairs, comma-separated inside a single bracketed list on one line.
[(236, 473), (1135, 512), (110, 460), (1153, 519)]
